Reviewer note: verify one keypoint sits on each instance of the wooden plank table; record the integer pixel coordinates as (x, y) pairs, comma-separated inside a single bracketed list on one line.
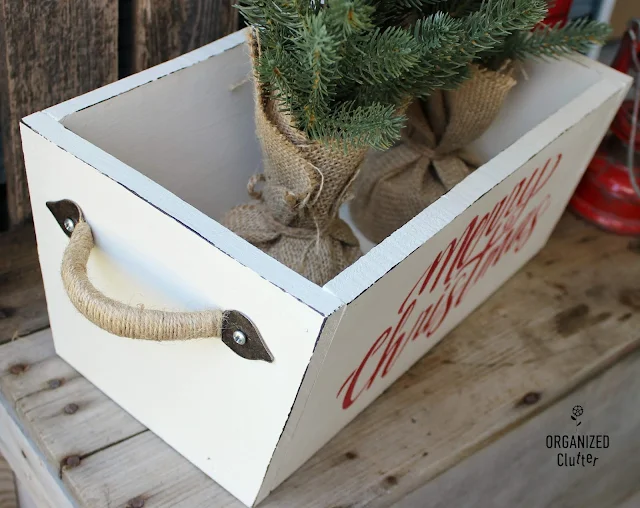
[(466, 426)]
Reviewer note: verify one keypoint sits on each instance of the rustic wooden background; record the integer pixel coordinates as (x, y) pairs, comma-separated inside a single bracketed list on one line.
[(53, 50)]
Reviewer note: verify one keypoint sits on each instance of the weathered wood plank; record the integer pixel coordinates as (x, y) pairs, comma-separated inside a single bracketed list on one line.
[(45, 392), (21, 354), (67, 402), (23, 308), (35, 472), (165, 29), (49, 52), (8, 494), (566, 317), (524, 472)]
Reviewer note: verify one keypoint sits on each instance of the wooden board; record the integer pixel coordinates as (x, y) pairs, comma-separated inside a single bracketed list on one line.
[(525, 472), (165, 29), (49, 52), (567, 317), (8, 494), (35, 471), (23, 309)]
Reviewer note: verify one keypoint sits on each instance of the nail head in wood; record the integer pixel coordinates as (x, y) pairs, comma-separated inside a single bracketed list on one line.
[(54, 383), (136, 502), (70, 408), (531, 398), (72, 461), (18, 368)]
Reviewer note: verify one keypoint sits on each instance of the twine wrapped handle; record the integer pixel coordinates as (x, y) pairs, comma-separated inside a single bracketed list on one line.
[(235, 329)]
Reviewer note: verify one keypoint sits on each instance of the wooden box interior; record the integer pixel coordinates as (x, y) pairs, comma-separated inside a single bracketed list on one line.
[(192, 131)]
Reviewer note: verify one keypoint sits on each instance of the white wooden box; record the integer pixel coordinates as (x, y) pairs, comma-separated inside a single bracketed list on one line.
[(156, 159)]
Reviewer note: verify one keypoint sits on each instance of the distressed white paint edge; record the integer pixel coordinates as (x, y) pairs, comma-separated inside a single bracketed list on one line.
[(60, 111), (382, 258), (231, 244), (323, 345)]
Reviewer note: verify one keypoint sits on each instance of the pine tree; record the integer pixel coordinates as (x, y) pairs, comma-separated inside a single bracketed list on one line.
[(343, 69)]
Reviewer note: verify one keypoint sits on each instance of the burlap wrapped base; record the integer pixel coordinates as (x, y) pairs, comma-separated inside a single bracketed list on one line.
[(294, 218), (396, 185)]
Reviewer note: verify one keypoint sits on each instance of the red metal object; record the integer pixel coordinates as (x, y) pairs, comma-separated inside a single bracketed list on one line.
[(559, 9), (558, 13), (606, 196)]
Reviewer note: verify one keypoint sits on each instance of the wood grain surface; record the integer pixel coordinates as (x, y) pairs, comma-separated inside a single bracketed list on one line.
[(23, 308), (525, 473), (165, 29), (50, 51), (8, 494), (563, 331)]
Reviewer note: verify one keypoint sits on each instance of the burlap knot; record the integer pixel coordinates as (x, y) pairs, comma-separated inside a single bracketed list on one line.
[(294, 218), (429, 160), (317, 254)]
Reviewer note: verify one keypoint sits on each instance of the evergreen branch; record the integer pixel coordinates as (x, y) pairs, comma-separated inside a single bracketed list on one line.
[(438, 30), (442, 62), (317, 49), (551, 42), (353, 16), (396, 51), (352, 126), (264, 13), (487, 27), (431, 62), (459, 41)]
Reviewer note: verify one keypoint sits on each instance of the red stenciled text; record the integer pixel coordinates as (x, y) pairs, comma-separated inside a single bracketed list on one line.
[(450, 276)]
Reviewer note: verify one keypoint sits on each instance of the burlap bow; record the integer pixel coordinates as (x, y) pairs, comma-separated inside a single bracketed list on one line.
[(295, 217), (396, 185), (317, 254)]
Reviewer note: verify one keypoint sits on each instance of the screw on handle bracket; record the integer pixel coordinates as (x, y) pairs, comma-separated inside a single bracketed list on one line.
[(67, 214), (243, 338)]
